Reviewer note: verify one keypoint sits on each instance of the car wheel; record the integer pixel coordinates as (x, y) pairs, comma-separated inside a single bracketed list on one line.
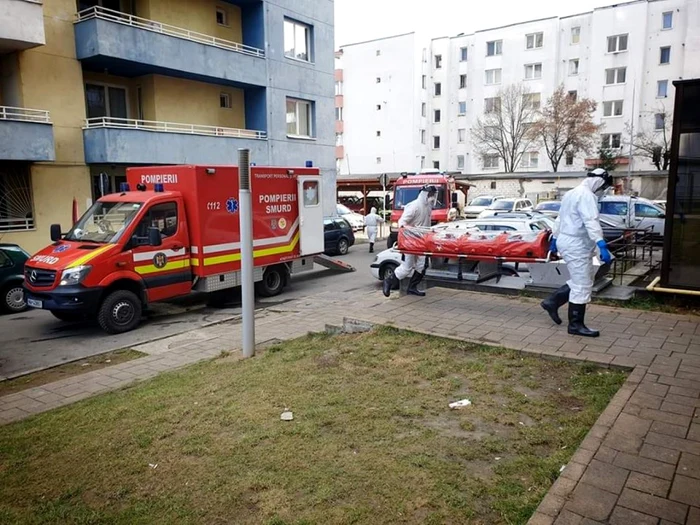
[(120, 312), (272, 282), (13, 299), (68, 317), (387, 270), (343, 246)]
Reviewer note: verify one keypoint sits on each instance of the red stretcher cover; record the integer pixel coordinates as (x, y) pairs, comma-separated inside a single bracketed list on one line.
[(474, 243)]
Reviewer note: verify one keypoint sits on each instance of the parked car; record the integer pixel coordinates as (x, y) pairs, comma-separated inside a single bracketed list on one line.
[(355, 220), (12, 259), (479, 204), (660, 203), (338, 235), (550, 208), (507, 205), (632, 212)]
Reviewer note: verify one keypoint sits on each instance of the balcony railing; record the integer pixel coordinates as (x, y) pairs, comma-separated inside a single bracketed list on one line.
[(118, 17), (24, 114), (172, 127)]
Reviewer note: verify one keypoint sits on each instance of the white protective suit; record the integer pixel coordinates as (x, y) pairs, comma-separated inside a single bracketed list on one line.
[(416, 213), (372, 221), (577, 230)]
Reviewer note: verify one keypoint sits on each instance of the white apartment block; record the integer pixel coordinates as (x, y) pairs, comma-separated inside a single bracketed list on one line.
[(625, 57)]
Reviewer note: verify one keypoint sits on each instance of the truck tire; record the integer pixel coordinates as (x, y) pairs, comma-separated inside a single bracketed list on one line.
[(273, 282), (119, 312), (68, 317), (12, 298)]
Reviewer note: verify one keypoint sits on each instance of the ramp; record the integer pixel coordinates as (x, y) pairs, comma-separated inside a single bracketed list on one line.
[(333, 264)]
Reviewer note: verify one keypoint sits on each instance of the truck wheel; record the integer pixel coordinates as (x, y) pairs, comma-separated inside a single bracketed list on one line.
[(272, 282), (68, 317), (119, 312), (343, 246), (12, 299)]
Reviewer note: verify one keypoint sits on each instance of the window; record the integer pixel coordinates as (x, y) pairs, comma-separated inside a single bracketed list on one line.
[(436, 116), (162, 216), (460, 162), (379, 52), (461, 135), (667, 20), (379, 107), (493, 76), (573, 95), (436, 164), (616, 75), (662, 88), (379, 160), (379, 133), (422, 162), (16, 202), (462, 108), (532, 100), (611, 140), (379, 80), (575, 35), (463, 54), (617, 43), (462, 81), (422, 136), (612, 108), (438, 89), (338, 88), (573, 66), (492, 105), (299, 118), (534, 40), (613, 208), (665, 55), (533, 71), (436, 142), (438, 61), (338, 139), (105, 101), (490, 162), (221, 16), (493, 183), (423, 109), (494, 48), (644, 210), (297, 40), (339, 114), (5, 260), (225, 100), (569, 161), (423, 81), (530, 159), (491, 132), (659, 120), (330, 225)]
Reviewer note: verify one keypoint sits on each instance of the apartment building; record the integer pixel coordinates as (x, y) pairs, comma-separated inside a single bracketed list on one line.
[(625, 57), (91, 87)]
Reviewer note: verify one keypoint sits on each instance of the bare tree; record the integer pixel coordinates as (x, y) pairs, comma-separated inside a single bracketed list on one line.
[(566, 126), (653, 140), (504, 128)]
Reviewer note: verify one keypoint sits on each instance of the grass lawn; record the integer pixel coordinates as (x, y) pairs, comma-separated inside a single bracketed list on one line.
[(373, 440)]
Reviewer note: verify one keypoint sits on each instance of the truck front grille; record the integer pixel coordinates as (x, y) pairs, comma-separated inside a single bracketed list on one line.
[(39, 278)]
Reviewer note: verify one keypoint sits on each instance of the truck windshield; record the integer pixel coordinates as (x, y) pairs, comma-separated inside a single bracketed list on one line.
[(104, 222), (405, 194)]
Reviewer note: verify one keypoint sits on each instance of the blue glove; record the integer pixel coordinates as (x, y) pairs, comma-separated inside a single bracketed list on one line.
[(553, 246), (605, 254)]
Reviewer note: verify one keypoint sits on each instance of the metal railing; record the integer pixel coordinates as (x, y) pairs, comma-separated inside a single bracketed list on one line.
[(17, 224), (172, 127), (24, 114), (634, 253), (118, 17)]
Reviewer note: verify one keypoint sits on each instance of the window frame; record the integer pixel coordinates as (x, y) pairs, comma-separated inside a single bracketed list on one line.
[(436, 142), (310, 116), (461, 135), (224, 12), (609, 143), (492, 157), (106, 86), (497, 48), (663, 21), (661, 55), (463, 81), (496, 72), (534, 36), (459, 107), (569, 158), (496, 104), (616, 75), (573, 61), (438, 61), (578, 36), (463, 54), (613, 105), (617, 43), (223, 95), (659, 83), (309, 40), (529, 156), (437, 116), (460, 157), (437, 89), (657, 120), (529, 100), (534, 71)]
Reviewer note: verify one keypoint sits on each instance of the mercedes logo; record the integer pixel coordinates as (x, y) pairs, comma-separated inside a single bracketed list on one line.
[(32, 276)]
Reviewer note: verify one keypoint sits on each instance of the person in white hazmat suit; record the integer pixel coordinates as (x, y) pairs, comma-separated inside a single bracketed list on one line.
[(416, 213), (576, 234), (372, 221)]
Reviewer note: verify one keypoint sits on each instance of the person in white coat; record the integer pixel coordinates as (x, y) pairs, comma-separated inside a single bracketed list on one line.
[(416, 213), (372, 221), (576, 234)]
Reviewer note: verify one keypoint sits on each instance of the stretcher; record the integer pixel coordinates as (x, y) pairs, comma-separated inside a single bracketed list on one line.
[(476, 245)]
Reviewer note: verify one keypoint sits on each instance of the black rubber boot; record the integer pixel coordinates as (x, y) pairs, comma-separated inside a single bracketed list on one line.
[(416, 278), (555, 301), (371, 247), (390, 283), (577, 326)]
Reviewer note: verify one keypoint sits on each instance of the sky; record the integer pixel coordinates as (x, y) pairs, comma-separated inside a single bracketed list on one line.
[(360, 20)]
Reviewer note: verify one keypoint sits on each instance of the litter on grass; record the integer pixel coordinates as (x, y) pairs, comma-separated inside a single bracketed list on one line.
[(460, 404)]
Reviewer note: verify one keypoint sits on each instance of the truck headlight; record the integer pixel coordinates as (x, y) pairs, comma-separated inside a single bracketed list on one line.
[(75, 275)]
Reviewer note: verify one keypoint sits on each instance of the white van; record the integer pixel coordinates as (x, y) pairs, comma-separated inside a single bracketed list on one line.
[(632, 212)]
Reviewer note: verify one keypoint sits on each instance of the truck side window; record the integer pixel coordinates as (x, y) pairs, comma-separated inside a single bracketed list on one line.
[(161, 216), (5, 260)]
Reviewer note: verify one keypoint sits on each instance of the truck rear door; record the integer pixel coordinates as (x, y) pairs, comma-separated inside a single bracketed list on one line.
[(310, 215)]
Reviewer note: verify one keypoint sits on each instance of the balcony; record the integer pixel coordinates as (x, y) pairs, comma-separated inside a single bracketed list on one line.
[(128, 141), (131, 46), (26, 134), (15, 36)]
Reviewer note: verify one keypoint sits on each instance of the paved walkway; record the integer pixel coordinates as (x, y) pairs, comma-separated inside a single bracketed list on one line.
[(639, 464)]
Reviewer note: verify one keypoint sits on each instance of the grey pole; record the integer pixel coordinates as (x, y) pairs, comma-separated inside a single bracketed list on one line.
[(247, 282)]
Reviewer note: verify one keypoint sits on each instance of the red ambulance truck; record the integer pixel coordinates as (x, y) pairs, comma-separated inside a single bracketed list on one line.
[(171, 230)]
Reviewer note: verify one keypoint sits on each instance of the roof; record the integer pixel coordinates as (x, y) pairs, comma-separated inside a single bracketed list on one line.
[(375, 40), (550, 175)]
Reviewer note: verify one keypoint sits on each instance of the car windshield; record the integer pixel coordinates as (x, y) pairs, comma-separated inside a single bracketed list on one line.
[(481, 201), (501, 205), (406, 194), (343, 210), (550, 206), (104, 222)]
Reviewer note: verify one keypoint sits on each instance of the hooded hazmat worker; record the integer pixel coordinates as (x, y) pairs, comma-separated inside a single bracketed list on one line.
[(372, 221), (417, 214), (576, 234)]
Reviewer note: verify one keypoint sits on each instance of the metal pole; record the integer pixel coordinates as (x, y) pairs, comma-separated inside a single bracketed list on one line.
[(629, 163), (383, 224), (247, 282)]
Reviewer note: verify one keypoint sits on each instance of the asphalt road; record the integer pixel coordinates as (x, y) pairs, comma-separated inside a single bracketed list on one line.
[(34, 340)]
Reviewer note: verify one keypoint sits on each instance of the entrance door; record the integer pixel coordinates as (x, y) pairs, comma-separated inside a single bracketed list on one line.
[(310, 215)]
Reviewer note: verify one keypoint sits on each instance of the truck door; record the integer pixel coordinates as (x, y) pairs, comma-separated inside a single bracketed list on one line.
[(165, 269), (310, 215)]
